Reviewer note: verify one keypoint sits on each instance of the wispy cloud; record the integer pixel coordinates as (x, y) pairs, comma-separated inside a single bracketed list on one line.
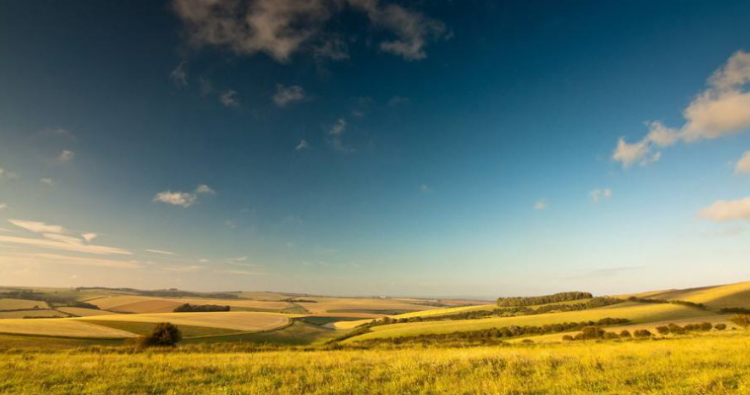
[(281, 28), (79, 261), (63, 245), (179, 75), (89, 236), (540, 204), (37, 227), (229, 98), (3, 206), (47, 181), (286, 95), (335, 137), (743, 165), (597, 195), (303, 145), (424, 188), (242, 272), (182, 269), (66, 156), (161, 252), (723, 210), (398, 100), (183, 199), (722, 109), (8, 175)]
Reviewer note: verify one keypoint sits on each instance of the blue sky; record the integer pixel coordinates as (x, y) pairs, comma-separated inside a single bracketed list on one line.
[(371, 147)]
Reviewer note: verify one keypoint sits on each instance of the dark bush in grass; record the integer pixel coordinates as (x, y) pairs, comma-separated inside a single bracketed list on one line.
[(610, 336), (642, 333), (625, 334), (706, 326), (590, 333), (567, 338), (163, 335), (720, 327), (663, 330)]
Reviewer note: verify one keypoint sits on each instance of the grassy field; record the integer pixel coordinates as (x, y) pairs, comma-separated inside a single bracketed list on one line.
[(240, 321), (636, 312), (146, 304), (144, 328), (716, 297), (707, 365), (383, 306), (83, 312)]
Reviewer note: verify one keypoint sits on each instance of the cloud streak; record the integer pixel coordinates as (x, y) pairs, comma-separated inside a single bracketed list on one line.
[(727, 210), (183, 199)]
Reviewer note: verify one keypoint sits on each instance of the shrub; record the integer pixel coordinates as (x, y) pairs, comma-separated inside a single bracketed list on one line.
[(610, 336), (567, 338), (706, 326), (163, 335), (720, 327), (676, 329), (535, 300), (625, 334), (742, 320), (190, 308), (642, 333), (663, 330)]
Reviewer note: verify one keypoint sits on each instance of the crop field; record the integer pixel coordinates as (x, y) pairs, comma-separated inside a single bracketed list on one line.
[(241, 321), (712, 364), (636, 312), (30, 313), (83, 312), (717, 297), (21, 304), (384, 306), (60, 327), (145, 304)]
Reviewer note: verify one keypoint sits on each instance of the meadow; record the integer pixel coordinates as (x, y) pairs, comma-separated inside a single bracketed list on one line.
[(706, 364)]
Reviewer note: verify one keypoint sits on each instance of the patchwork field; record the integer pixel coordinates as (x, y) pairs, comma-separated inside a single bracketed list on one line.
[(60, 327), (385, 306), (83, 312), (21, 304), (241, 321), (30, 313), (717, 297), (145, 304)]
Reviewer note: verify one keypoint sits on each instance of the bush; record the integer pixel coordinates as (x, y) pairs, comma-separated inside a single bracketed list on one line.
[(642, 333), (195, 308), (625, 334), (589, 333), (567, 338), (610, 336), (536, 300), (663, 330), (720, 327), (706, 326), (676, 329), (163, 335), (742, 320)]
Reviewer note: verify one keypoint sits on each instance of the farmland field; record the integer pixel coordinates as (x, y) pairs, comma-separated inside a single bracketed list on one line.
[(249, 322), (83, 312), (30, 313), (21, 304), (60, 327)]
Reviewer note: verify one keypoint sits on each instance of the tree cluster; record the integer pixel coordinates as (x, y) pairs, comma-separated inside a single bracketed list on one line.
[(203, 308), (537, 300), (164, 335)]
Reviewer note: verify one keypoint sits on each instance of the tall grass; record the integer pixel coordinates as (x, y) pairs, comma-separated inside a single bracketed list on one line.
[(712, 364)]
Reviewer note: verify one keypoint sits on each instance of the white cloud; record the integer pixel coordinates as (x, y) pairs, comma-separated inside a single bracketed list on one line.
[(241, 272), (280, 28), (179, 75), (229, 98), (723, 210), (63, 238), (182, 269), (64, 246), (183, 199), (288, 94), (598, 195), (743, 165), (230, 224), (203, 188), (722, 109), (47, 181), (161, 252), (37, 227), (66, 156), (3, 206), (303, 145), (540, 204), (425, 188), (89, 236)]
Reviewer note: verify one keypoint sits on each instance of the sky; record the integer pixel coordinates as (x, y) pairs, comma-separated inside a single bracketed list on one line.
[(375, 147)]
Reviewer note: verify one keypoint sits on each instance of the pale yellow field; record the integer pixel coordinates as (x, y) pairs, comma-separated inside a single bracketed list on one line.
[(636, 312), (61, 327), (270, 296), (83, 312), (20, 304), (242, 321), (145, 304), (717, 297), (30, 313), (325, 304), (446, 311)]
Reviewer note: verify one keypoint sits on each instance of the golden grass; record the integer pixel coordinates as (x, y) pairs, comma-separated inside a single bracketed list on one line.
[(241, 321), (706, 365), (325, 304), (636, 312), (30, 313), (20, 304), (717, 297), (83, 312), (61, 327)]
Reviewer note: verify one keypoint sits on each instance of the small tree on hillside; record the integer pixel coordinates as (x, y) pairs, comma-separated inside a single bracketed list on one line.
[(742, 320), (163, 335)]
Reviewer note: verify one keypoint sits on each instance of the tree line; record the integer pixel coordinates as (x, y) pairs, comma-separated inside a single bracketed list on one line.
[(203, 308), (545, 299)]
